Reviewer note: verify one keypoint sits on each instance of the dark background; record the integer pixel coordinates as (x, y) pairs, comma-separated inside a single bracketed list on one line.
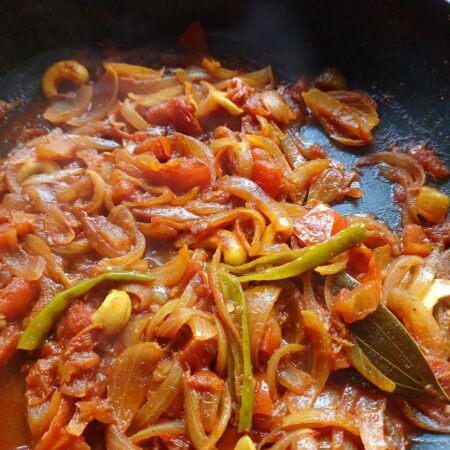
[(399, 51)]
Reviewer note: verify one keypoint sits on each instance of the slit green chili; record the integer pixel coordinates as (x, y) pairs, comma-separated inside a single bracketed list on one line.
[(273, 258), (41, 325), (232, 291), (314, 256)]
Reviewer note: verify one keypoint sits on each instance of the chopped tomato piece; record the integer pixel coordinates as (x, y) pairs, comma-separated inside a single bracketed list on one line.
[(180, 174), (194, 39), (430, 162), (77, 318), (363, 264), (266, 173), (271, 338), (9, 338), (121, 190), (319, 224), (206, 381), (181, 115), (160, 146), (198, 354), (16, 298), (415, 241), (262, 402)]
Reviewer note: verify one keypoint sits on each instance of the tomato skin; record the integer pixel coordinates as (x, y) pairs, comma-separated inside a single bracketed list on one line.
[(271, 338), (16, 298), (197, 355), (415, 241), (363, 264), (9, 338), (181, 115), (180, 174), (262, 403), (206, 381), (160, 146), (266, 173), (319, 224)]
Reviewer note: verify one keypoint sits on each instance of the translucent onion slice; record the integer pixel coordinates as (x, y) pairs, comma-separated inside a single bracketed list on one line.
[(251, 192), (158, 97), (320, 418), (160, 400), (22, 265), (132, 116), (40, 248), (272, 365), (129, 379), (171, 272), (259, 78), (103, 98), (133, 71), (172, 428), (145, 87), (69, 107), (196, 148), (260, 301)]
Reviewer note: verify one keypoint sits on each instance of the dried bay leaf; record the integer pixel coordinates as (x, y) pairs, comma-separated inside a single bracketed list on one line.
[(390, 348)]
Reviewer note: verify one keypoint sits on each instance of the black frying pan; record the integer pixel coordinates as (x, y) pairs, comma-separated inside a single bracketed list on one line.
[(398, 51)]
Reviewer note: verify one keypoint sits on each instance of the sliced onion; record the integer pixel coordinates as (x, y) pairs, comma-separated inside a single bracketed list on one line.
[(401, 160), (419, 321), (132, 116), (69, 107), (216, 69), (221, 423), (33, 168), (122, 217), (103, 98), (117, 440), (129, 379), (200, 323), (193, 147), (193, 419), (187, 299), (293, 379), (172, 428), (277, 107), (422, 421), (260, 301), (251, 192), (39, 248), (321, 418), (171, 272), (161, 399), (370, 413), (132, 70), (54, 177), (23, 265), (58, 229), (222, 347), (397, 271), (158, 97), (272, 365), (145, 87), (259, 78)]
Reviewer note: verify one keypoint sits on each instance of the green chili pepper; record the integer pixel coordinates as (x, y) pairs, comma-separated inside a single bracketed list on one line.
[(315, 255), (43, 322), (232, 290), (273, 258)]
